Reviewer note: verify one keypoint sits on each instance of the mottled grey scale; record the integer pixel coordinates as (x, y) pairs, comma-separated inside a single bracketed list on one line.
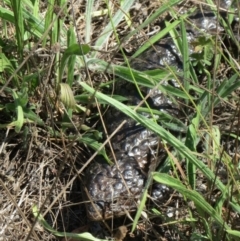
[(204, 22), (118, 186), (159, 191), (125, 182), (115, 189)]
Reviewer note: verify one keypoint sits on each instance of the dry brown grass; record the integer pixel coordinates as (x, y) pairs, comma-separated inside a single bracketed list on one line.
[(43, 169)]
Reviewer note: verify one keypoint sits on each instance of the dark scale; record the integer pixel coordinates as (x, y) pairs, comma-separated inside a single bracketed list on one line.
[(116, 189)]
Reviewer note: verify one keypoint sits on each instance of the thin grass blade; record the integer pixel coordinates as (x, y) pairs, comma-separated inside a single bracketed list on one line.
[(165, 135), (72, 59), (116, 19), (83, 236), (88, 29), (192, 139), (19, 25), (20, 116), (164, 7), (198, 200)]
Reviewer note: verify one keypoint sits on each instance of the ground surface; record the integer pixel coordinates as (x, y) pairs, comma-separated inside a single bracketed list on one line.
[(42, 163)]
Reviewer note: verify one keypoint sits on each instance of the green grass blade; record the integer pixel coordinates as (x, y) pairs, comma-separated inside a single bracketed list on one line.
[(164, 134), (225, 89), (88, 29), (74, 49), (43, 222), (234, 232), (6, 14), (19, 25), (148, 79), (33, 25), (185, 56), (164, 7), (48, 19), (156, 38), (192, 139), (141, 205), (198, 200), (71, 39), (95, 145), (5, 64), (31, 116), (181, 42), (36, 5), (20, 116), (116, 19), (60, 30)]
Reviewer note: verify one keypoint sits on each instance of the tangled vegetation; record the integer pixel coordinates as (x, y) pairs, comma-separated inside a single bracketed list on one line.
[(58, 62)]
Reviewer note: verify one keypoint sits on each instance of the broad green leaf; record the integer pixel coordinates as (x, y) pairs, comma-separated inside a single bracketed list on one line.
[(67, 96), (6, 14), (31, 116), (20, 116), (5, 64), (234, 232), (74, 49), (77, 49)]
